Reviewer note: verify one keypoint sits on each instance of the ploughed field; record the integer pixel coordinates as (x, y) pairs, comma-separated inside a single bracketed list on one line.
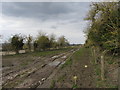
[(58, 69), (33, 70)]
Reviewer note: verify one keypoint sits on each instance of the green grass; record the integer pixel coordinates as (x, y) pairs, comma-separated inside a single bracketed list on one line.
[(112, 86), (109, 60), (67, 63), (75, 86), (103, 83), (79, 53), (97, 70), (75, 57), (47, 53), (52, 52), (40, 53), (15, 55), (112, 59)]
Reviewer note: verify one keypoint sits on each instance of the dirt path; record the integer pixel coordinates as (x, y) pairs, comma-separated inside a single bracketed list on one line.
[(35, 74), (85, 75)]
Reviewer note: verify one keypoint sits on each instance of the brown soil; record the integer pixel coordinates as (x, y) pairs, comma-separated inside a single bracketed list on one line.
[(48, 71), (85, 76), (32, 75)]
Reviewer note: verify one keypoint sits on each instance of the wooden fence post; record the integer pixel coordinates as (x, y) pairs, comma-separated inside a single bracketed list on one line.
[(95, 56), (102, 67)]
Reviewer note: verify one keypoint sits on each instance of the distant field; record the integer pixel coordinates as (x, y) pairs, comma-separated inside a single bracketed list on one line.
[(39, 53), (10, 52), (22, 56)]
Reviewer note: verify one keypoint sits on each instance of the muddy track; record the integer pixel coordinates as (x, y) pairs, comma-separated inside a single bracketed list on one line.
[(35, 74), (49, 79), (13, 69), (11, 74)]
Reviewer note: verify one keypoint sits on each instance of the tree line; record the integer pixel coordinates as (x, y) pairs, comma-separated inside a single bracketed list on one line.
[(104, 28), (41, 43), (103, 31)]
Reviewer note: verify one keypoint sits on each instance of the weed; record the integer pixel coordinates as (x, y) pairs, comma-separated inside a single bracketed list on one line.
[(112, 86), (52, 84), (97, 70), (74, 86)]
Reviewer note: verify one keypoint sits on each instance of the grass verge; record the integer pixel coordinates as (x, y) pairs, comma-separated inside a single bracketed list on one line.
[(41, 53), (68, 62)]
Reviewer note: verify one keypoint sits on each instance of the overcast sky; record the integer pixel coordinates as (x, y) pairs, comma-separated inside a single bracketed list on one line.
[(60, 18)]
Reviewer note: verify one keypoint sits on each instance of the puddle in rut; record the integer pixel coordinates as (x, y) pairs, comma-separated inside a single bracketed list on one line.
[(54, 63)]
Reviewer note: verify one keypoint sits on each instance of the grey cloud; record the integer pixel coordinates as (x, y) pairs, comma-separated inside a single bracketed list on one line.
[(52, 17), (44, 10), (31, 9), (54, 27)]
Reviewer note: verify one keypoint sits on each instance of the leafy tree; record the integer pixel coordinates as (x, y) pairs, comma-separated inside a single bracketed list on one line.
[(43, 42), (35, 45), (29, 40), (17, 43), (6, 46), (62, 41), (104, 28), (52, 41)]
